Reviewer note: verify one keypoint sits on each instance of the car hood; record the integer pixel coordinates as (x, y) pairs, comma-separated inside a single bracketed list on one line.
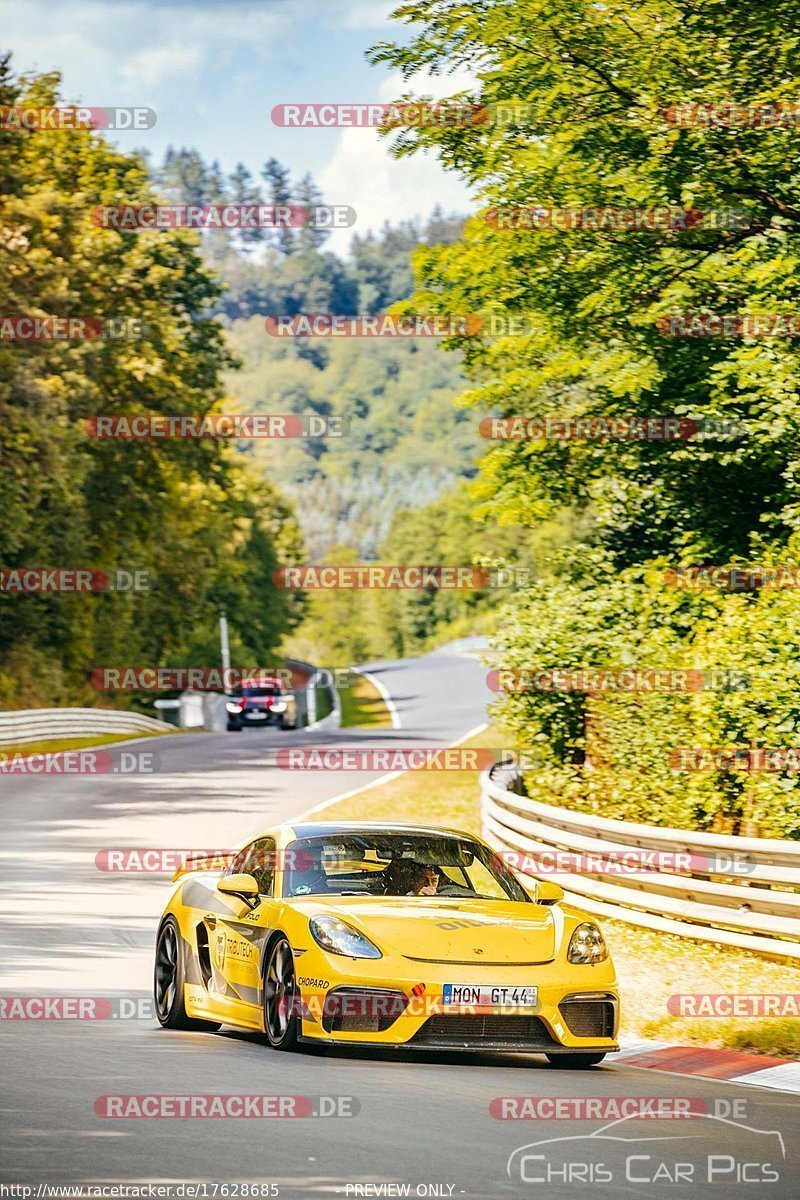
[(422, 929)]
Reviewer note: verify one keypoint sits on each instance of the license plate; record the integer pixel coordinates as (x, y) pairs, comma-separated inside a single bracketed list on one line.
[(257, 716), (485, 996)]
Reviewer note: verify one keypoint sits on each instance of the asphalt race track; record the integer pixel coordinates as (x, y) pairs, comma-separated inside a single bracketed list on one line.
[(418, 1123)]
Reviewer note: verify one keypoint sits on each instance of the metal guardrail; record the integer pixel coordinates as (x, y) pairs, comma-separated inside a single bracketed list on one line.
[(333, 718), (42, 724), (307, 698), (467, 645), (754, 905)]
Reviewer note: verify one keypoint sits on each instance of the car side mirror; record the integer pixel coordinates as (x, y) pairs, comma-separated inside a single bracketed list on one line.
[(547, 892), (241, 885)]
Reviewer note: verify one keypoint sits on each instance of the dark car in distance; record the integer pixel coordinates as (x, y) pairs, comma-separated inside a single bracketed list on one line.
[(265, 703)]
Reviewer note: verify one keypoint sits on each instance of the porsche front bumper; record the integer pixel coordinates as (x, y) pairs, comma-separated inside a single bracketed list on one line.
[(398, 1002)]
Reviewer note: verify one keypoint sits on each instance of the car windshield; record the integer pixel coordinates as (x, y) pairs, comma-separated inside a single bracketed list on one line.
[(397, 864), (261, 691)]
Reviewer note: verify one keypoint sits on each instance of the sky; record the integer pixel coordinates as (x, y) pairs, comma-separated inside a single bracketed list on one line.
[(214, 69)]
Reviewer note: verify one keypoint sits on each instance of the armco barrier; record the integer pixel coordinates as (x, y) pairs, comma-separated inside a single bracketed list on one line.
[(467, 645), (43, 724), (758, 910), (309, 706)]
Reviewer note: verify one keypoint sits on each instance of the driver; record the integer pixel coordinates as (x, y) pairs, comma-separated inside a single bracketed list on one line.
[(423, 880)]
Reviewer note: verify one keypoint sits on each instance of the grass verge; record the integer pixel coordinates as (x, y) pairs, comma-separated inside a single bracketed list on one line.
[(56, 745), (651, 967), (363, 705)]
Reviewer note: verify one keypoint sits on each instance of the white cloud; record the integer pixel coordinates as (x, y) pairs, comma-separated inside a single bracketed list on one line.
[(381, 188), (152, 67), (367, 14), (423, 83), (361, 171)]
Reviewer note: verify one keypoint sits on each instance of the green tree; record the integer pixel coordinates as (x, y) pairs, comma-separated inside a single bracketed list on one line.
[(280, 193), (244, 191), (594, 82)]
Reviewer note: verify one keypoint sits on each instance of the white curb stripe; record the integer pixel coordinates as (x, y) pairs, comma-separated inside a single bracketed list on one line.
[(786, 1078)]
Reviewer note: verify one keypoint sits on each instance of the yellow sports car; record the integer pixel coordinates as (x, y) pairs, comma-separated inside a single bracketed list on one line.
[(395, 936)]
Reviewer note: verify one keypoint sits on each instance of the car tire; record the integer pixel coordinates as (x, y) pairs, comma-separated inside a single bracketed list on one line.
[(169, 978), (280, 997), (575, 1062), (234, 728)]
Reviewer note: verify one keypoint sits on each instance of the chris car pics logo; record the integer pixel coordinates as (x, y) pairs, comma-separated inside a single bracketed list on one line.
[(710, 1149)]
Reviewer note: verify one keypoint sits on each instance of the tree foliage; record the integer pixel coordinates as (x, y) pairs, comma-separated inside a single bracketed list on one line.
[(594, 83), (208, 534)]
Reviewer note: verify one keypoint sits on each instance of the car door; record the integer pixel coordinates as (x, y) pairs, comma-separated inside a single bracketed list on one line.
[(237, 935)]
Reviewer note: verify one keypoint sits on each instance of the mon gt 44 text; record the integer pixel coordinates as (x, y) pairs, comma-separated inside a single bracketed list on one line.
[(394, 936)]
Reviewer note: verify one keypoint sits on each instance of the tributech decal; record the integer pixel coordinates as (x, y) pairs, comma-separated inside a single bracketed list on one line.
[(240, 949)]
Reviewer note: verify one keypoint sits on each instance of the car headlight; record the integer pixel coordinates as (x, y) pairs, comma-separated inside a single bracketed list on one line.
[(233, 707), (279, 706), (333, 935), (587, 945)]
